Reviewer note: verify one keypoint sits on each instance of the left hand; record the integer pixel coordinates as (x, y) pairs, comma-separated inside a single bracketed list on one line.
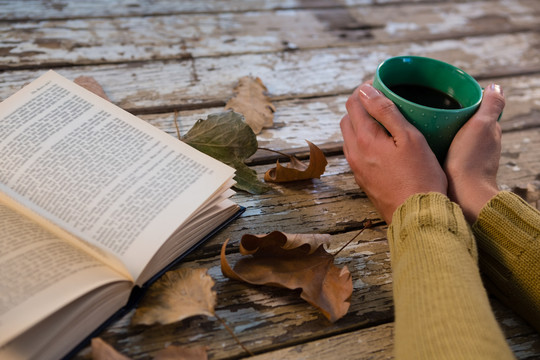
[(388, 166)]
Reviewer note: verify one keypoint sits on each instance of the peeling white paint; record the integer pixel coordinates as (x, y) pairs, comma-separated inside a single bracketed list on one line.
[(393, 28), (238, 329), (359, 284), (367, 253)]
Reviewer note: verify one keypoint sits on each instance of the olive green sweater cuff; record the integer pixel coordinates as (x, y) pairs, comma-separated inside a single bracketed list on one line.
[(432, 212), (508, 237)]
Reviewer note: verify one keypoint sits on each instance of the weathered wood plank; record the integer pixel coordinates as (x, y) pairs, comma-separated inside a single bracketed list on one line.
[(374, 343), (128, 39), (317, 119), (521, 337), (377, 342), (62, 9), (203, 82), (519, 163), (70, 9)]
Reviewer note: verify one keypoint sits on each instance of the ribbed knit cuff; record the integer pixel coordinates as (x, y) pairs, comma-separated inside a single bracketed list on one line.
[(429, 210), (507, 221), (508, 237)]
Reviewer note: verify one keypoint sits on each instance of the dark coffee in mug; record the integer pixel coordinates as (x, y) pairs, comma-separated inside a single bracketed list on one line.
[(426, 96)]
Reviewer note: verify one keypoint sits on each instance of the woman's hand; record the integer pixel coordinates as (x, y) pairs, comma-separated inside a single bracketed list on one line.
[(388, 166), (473, 158)]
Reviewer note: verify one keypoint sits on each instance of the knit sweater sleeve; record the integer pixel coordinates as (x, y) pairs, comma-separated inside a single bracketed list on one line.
[(508, 237), (441, 307)]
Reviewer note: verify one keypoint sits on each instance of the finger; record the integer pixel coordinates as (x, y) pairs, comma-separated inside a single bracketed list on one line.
[(492, 104), (361, 120), (359, 117), (384, 110), (348, 134)]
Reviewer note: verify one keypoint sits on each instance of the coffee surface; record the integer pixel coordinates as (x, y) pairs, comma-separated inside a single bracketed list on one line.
[(426, 96)]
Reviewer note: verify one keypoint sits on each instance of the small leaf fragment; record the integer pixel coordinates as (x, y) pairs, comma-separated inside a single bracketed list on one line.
[(177, 295), (294, 261), (91, 84), (250, 99), (247, 180), (182, 353), (103, 351), (297, 170)]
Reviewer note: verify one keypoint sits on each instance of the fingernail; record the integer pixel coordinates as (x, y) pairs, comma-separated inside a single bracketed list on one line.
[(497, 88), (367, 91)]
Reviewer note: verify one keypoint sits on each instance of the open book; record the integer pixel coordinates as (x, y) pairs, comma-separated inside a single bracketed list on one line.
[(94, 203)]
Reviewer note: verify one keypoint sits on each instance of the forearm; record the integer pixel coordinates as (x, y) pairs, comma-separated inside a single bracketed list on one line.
[(508, 236), (442, 310)]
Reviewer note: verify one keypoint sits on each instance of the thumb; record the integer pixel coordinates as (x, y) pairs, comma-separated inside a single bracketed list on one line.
[(492, 103)]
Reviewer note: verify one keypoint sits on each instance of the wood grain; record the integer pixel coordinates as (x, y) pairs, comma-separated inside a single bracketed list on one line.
[(164, 86), (125, 39), (69, 9)]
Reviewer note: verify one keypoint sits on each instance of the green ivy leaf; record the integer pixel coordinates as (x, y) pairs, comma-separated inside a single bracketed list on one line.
[(226, 137)]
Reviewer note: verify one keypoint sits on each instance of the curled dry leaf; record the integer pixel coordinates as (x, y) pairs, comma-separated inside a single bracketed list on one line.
[(103, 351), (182, 353), (297, 170), (294, 262), (177, 295), (89, 83), (250, 99)]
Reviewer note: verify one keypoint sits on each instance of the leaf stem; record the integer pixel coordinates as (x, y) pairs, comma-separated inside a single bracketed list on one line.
[(233, 334), (275, 151), (367, 224), (176, 125)]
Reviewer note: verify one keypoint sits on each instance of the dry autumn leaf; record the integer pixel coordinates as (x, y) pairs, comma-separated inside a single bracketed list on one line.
[(175, 296), (294, 262), (103, 351), (182, 353), (297, 170), (89, 83), (250, 100)]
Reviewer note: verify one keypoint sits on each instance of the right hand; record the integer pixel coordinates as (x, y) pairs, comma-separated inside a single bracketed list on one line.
[(388, 166), (472, 161)]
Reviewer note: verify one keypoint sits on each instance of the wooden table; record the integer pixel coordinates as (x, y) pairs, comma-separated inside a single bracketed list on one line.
[(157, 57)]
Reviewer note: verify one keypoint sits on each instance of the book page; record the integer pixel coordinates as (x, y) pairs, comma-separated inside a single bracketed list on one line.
[(57, 334), (41, 273), (99, 172)]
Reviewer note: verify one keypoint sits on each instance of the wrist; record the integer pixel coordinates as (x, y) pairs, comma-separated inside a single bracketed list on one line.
[(473, 201)]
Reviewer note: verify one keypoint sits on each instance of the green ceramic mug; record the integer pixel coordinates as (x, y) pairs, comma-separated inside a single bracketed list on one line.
[(436, 97)]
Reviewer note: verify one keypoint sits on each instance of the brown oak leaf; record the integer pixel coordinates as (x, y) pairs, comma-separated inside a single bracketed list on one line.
[(297, 170), (295, 262), (91, 84), (182, 353), (103, 351), (250, 100), (175, 296)]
